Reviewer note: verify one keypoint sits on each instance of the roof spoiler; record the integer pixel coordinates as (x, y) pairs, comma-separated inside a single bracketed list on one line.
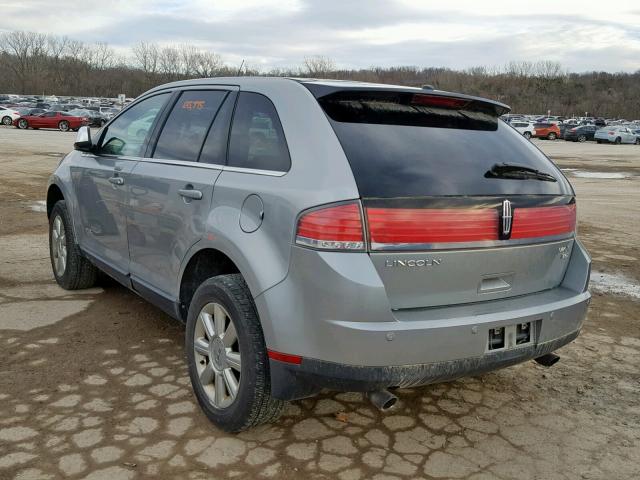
[(320, 90)]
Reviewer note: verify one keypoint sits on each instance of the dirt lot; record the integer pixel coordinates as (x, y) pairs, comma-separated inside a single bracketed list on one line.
[(93, 384)]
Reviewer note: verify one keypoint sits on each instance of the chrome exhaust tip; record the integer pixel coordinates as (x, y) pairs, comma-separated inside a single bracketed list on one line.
[(383, 400)]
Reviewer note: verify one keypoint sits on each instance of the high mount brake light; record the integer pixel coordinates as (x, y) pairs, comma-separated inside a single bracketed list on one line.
[(335, 227), (438, 101)]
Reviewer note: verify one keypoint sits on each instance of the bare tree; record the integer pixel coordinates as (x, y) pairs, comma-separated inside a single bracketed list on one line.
[(318, 65)]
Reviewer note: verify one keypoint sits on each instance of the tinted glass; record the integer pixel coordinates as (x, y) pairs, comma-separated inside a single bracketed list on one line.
[(408, 159), (127, 134), (187, 125), (257, 140), (215, 146)]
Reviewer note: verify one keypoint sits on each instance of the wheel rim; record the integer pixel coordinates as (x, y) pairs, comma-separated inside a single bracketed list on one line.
[(217, 355), (6, 121), (23, 124), (59, 245), (64, 126), (582, 138)]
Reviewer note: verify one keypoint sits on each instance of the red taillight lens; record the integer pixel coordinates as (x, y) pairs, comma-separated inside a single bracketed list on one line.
[(337, 227), (572, 130), (424, 226), (543, 221), (611, 133)]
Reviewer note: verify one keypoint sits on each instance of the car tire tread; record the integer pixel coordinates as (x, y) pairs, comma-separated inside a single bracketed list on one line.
[(254, 405), (79, 273)]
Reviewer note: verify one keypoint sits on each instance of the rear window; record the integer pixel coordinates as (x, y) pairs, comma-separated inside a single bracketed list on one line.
[(413, 145)]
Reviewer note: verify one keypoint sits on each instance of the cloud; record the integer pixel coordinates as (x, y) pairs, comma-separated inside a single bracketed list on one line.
[(280, 33)]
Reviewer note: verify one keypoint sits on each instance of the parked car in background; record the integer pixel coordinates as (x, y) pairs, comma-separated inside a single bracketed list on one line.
[(616, 135), (108, 112), (60, 120), (30, 111), (580, 134), (96, 119), (8, 115), (550, 131), (525, 128)]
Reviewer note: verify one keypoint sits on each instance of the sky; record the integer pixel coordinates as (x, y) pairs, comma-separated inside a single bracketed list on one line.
[(582, 35)]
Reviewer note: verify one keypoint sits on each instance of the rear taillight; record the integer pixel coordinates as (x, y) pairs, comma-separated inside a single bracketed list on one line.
[(611, 133), (425, 226), (543, 221), (335, 227)]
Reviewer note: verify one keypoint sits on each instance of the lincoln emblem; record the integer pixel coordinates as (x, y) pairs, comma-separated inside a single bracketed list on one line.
[(507, 220)]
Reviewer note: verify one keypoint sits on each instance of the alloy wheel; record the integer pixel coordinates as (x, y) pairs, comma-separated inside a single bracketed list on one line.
[(217, 355), (6, 121), (59, 245)]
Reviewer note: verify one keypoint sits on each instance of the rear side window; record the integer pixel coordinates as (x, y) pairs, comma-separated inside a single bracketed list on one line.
[(402, 146), (187, 125), (257, 140)]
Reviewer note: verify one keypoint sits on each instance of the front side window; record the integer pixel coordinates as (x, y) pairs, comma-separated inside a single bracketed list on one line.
[(257, 140), (126, 135), (187, 125)]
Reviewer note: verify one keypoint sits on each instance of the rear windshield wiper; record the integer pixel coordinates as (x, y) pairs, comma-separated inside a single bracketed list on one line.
[(517, 172)]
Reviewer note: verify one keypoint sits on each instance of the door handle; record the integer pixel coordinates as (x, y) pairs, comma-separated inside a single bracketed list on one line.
[(117, 180), (190, 193)]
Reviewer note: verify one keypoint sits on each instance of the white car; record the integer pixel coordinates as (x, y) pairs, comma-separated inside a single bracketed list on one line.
[(8, 115), (525, 128), (616, 135)]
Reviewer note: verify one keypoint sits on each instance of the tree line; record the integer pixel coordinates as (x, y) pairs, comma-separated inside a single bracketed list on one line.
[(35, 64)]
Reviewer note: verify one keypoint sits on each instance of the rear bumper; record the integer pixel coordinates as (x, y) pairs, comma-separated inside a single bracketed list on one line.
[(335, 315), (291, 382)]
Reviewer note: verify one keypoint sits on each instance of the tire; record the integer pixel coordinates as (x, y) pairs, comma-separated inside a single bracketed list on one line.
[(527, 135), (552, 136), (582, 138), (23, 124), (63, 126), (226, 298), (638, 141), (598, 142), (6, 120), (75, 272), (618, 141)]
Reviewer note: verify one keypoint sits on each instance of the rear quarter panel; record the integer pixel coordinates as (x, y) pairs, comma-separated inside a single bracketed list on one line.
[(319, 174)]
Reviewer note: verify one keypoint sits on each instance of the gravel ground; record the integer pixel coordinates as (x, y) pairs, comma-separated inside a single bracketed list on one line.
[(93, 383)]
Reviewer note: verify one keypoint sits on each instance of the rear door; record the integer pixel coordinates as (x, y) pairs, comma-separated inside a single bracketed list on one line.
[(449, 220), (171, 190)]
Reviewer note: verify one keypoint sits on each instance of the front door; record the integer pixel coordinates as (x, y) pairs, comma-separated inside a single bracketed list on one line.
[(101, 180), (170, 192)]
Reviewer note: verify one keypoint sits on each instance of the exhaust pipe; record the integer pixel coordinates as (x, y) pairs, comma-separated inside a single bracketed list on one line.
[(548, 360), (383, 400)]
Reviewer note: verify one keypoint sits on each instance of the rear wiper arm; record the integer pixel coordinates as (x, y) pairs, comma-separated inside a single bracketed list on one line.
[(518, 172)]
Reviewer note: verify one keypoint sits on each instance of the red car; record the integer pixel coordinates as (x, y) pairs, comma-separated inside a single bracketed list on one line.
[(60, 120)]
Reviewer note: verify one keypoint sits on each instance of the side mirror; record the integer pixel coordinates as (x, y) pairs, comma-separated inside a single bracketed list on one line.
[(83, 140)]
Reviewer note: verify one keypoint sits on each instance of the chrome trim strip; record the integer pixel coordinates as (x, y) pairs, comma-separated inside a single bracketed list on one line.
[(270, 173), (183, 163), (213, 166), (400, 247)]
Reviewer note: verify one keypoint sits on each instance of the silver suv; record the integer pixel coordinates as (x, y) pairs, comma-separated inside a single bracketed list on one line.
[(324, 234)]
